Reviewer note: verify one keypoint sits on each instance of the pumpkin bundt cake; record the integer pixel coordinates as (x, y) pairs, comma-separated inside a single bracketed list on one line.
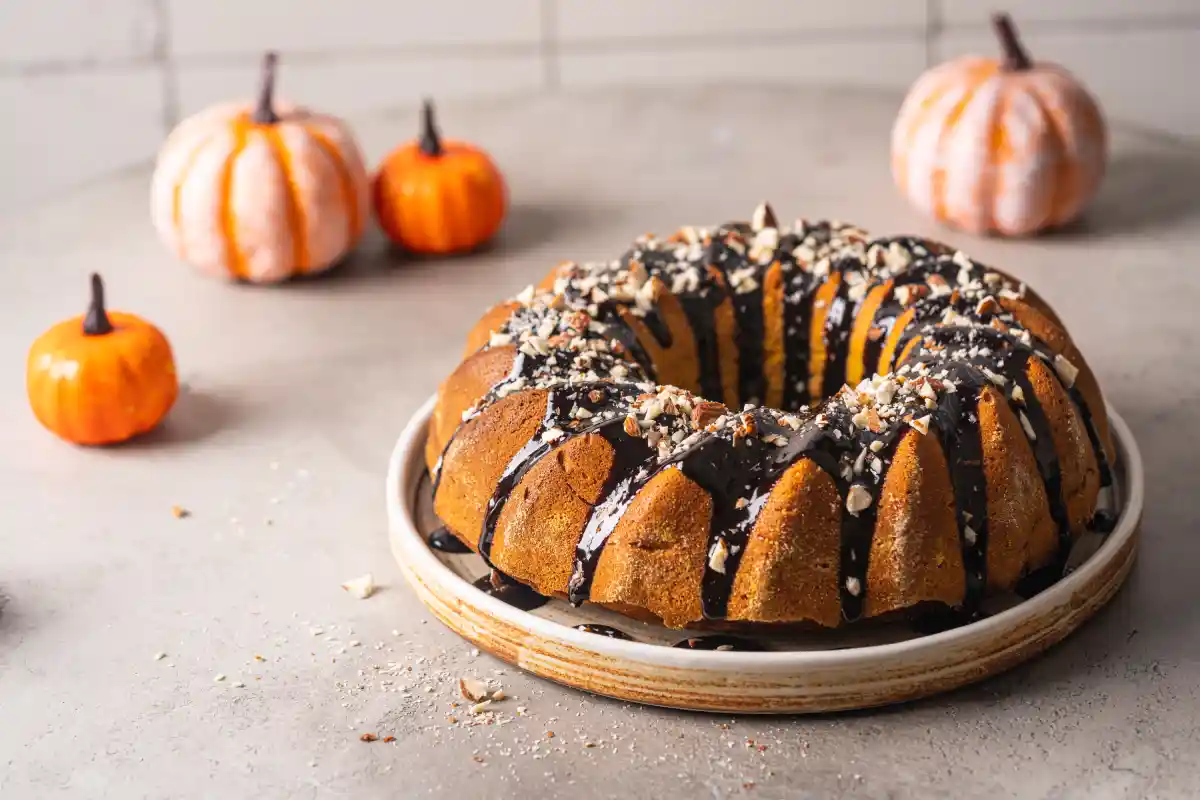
[(886, 424)]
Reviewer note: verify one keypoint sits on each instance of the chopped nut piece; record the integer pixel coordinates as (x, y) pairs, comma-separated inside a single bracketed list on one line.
[(479, 708), (179, 512), (717, 556), (764, 217), (921, 425), (388, 739), (361, 587), (632, 427), (704, 414), (498, 695), (472, 689), (368, 737), (987, 305), (1067, 372), (858, 499), (1028, 426), (854, 586)]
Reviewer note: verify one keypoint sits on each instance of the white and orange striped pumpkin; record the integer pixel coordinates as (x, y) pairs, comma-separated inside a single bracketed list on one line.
[(260, 192), (1008, 147)]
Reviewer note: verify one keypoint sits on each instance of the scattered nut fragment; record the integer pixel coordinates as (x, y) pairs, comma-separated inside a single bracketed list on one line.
[(858, 499), (764, 217), (853, 586), (987, 305), (1067, 371), (472, 689), (706, 413), (179, 512), (368, 737), (631, 426), (1028, 426), (921, 425), (159, 656), (219, 677), (361, 587), (498, 695), (549, 734), (717, 556), (479, 708)]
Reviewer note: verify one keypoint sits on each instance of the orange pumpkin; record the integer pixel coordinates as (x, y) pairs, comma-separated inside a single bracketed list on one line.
[(434, 196), (101, 378), (260, 192), (1009, 147)]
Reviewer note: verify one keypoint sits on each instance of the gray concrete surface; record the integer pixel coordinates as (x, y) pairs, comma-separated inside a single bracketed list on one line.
[(293, 400)]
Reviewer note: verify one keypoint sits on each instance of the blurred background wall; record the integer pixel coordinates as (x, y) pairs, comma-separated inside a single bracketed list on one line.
[(92, 86)]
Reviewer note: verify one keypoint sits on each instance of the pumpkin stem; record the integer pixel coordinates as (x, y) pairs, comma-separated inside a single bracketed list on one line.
[(1015, 56), (96, 323), (431, 142), (264, 113)]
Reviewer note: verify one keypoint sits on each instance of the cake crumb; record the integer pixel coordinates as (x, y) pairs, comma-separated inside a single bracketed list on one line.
[(361, 587)]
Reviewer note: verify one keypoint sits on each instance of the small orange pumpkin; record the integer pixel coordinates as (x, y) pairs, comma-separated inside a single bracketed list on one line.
[(1009, 147), (434, 196), (261, 192), (101, 378)]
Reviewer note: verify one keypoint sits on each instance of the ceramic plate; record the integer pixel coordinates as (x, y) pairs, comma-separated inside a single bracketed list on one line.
[(799, 671)]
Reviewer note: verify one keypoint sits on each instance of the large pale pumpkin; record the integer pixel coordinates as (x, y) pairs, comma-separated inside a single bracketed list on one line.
[(260, 192), (1009, 147)]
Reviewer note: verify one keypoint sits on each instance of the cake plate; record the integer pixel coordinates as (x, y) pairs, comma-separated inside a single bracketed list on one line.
[(801, 671)]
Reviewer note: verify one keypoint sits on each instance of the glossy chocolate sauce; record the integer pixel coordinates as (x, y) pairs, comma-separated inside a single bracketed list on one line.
[(504, 588), (720, 641), (739, 471), (605, 631), (444, 541)]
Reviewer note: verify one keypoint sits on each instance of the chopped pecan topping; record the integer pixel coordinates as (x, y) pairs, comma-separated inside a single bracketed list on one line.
[(706, 413)]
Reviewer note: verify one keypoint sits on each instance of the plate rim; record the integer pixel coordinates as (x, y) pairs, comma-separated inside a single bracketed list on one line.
[(406, 465)]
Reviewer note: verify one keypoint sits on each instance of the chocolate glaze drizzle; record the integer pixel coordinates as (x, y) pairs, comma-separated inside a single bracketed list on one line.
[(504, 588), (720, 641), (604, 630), (966, 343), (446, 542)]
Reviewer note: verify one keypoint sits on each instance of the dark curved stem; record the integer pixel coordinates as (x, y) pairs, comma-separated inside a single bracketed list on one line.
[(96, 322), (431, 142), (264, 112), (1015, 56)]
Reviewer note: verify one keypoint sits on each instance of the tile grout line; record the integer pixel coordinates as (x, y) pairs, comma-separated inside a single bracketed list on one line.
[(549, 46), (164, 58), (933, 31)]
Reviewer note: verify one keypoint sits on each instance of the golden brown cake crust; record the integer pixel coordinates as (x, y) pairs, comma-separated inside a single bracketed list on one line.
[(968, 448)]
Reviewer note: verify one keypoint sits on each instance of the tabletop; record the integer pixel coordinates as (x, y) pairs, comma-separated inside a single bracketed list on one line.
[(217, 655)]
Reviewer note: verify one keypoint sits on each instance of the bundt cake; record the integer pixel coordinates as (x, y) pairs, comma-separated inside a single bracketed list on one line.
[(764, 423)]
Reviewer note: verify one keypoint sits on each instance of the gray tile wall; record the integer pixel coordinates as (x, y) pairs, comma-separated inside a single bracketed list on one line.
[(92, 86)]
